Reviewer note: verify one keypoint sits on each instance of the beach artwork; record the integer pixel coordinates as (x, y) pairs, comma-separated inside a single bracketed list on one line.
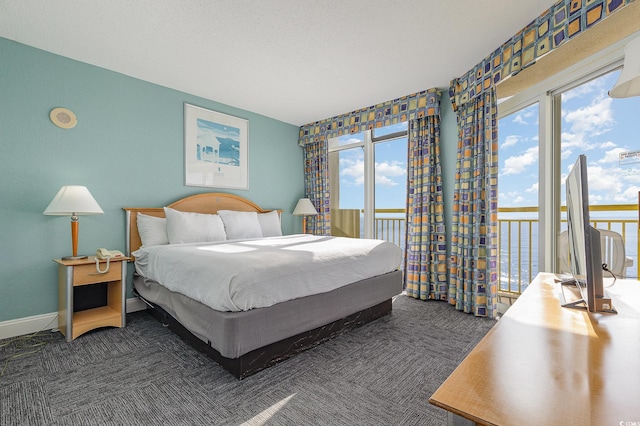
[(216, 149)]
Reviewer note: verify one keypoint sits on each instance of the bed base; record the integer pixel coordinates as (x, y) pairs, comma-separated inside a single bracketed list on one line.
[(261, 358)]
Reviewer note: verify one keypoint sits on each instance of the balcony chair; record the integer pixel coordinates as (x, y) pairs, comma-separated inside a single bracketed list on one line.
[(612, 248)]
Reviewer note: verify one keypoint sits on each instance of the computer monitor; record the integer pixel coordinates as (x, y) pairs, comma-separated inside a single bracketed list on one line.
[(585, 256)]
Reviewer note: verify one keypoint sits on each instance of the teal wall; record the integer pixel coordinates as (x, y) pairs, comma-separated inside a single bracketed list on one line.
[(448, 157), (127, 148)]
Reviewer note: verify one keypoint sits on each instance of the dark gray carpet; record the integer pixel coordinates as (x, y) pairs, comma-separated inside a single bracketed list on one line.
[(380, 374)]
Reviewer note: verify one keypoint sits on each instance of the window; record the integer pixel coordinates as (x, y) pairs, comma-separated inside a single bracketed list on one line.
[(576, 116), (605, 130), (518, 198), (368, 174)]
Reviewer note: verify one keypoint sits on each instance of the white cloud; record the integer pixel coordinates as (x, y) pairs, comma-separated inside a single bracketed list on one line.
[(385, 171), (519, 118), (577, 140), (385, 181), (607, 145), (606, 180), (611, 156), (594, 119), (510, 199), (395, 168), (352, 172), (527, 115), (510, 140), (533, 188), (595, 198), (584, 89), (517, 164), (628, 196)]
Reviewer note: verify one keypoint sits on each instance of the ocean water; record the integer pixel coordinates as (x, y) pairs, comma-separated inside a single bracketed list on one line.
[(517, 271)]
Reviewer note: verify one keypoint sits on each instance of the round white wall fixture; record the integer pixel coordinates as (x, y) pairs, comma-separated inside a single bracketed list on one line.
[(63, 118)]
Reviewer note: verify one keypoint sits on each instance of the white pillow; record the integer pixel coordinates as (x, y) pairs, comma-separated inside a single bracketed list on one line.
[(187, 227), (241, 224), (152, 230), (270, 224)]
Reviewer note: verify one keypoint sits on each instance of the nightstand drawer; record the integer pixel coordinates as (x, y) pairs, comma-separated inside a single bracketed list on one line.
[(87, 274)]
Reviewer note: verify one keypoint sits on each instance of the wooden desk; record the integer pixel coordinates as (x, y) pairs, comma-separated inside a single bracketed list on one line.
[(543, 364)]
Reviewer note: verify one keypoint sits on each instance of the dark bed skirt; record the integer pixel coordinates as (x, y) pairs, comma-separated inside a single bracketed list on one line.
[(261, 358)]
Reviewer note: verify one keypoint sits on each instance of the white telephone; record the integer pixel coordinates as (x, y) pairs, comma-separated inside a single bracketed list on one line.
[(102, 254)]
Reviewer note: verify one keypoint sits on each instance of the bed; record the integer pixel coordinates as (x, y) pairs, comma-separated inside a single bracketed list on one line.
[(268, 311)]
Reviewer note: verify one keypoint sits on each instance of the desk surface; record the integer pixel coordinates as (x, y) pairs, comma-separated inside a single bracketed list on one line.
[(544, 364)]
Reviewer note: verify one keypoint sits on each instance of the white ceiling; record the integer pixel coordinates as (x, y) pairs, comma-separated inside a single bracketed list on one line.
[(297, 61)]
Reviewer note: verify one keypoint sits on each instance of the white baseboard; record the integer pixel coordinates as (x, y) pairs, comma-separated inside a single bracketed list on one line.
[(134, 305), (22, 326)]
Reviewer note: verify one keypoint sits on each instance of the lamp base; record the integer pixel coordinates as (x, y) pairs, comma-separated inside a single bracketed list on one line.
[(74, 257)]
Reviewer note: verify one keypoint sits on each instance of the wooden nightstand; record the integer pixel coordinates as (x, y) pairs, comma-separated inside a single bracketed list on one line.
[(73, 274)]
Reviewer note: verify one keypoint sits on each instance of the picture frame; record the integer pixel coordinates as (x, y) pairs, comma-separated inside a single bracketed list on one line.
[(216, 149)]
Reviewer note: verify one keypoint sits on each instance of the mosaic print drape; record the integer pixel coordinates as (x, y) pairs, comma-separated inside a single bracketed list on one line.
[(316, 186), (426, 246), (474, 241), (553, 28), (474, 258), (395, 111)]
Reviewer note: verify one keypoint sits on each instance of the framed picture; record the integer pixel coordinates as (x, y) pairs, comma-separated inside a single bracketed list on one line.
[(216, 149)]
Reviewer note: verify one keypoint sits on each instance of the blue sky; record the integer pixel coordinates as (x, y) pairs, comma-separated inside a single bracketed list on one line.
[(390, 172), (593, 124)]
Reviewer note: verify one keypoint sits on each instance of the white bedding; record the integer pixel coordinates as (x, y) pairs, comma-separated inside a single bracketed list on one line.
[(239, 275)]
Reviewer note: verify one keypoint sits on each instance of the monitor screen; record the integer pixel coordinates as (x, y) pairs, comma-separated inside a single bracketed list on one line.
[(585, 257), (577, 214)]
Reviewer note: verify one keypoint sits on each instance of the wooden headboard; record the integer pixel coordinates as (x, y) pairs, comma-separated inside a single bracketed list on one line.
[(208, 203)]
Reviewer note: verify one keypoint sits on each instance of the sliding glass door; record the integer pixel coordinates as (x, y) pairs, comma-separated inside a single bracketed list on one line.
[(606, 130), (518, 197), (368, 175)]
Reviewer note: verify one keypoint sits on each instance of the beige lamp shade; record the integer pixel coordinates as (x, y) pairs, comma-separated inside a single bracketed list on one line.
[(74, 201), (628, 83), (304, 208)]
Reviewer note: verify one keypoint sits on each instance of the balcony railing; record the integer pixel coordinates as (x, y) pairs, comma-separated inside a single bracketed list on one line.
[(390, 228), (518, 238)]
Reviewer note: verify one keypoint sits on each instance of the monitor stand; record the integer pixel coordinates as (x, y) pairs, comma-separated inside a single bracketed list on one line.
[(604, 304), (576, 301)]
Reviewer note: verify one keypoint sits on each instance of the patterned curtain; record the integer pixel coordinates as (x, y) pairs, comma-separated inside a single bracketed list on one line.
[(399, 110), (474, 258), (316, 186), (556, 26), (474, 241), (426, 247)]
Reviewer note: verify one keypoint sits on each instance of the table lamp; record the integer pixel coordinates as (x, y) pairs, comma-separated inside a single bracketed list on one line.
[(628, 83), (74, 201), (304, 208)]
